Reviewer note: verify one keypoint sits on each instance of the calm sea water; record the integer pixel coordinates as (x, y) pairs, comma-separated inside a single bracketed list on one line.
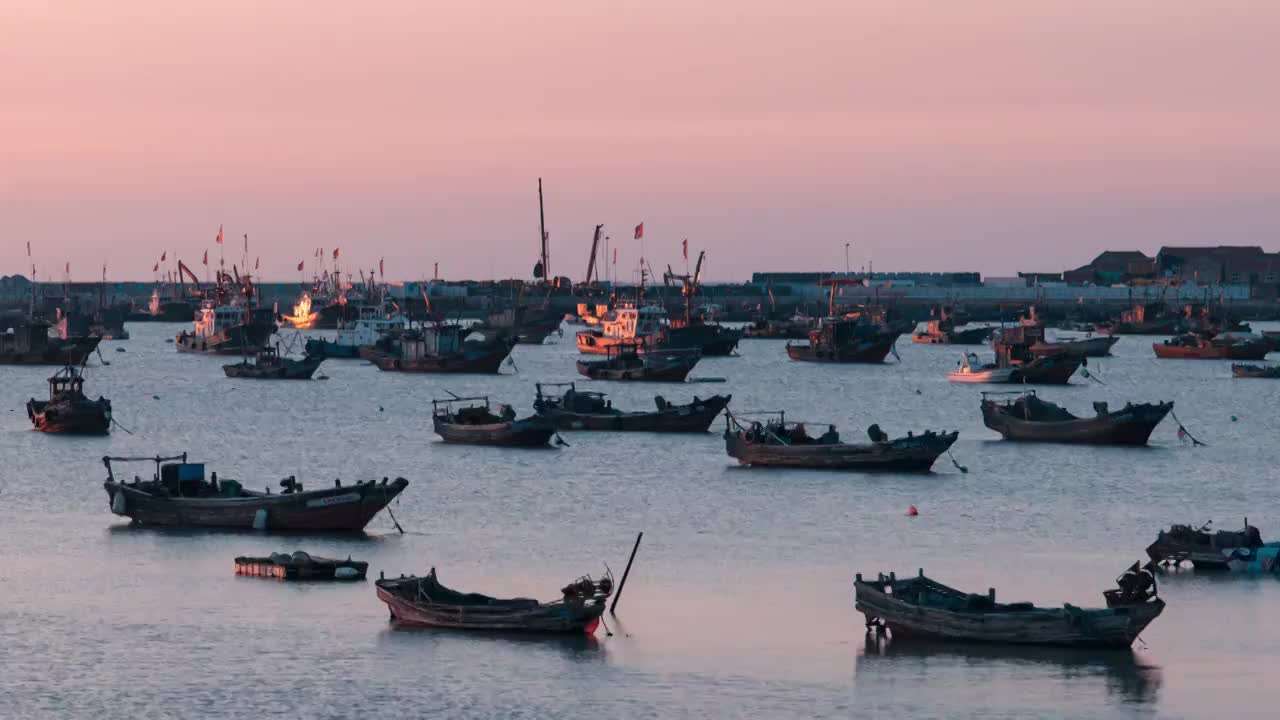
[(739, 605)]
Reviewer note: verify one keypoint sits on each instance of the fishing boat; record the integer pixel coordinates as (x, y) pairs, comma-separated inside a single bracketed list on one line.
[(425, 602), (442, 348), (225, 329), (796, 327), (1218, 347), (373, 323), (174, 308), (1051, 370), (529, 325), (943, 329), (778, 443), (179, 496), (26, 341), (1236, 550), (624, 363), (691, 329), (477, 424), (922, 608), (1143, 319), (301, 566), (1245, 370), (269, 364), (1024, 416), (629, 326), (589, 314), (586, 410), (68, 409), (845, 340)]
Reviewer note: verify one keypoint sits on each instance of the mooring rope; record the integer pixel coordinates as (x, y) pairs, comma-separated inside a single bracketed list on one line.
[(1183, 433), (117, 424)]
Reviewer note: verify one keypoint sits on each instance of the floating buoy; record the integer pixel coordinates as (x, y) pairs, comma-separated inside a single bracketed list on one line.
[(155, 397), (380, 408), (1233, 418), (912, 511), (119, 349)]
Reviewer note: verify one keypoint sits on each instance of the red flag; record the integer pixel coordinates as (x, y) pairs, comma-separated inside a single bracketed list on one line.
[(380, 266), (335, 253), (219, 240), (640, 231), (163, 254), (299, 267), (156, 268), (206, 257), (686, 248)]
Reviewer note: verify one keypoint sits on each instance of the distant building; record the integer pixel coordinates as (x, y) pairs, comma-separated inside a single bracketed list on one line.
[(1041, 278), (897, 278), (1111, 267), (1224, 264)]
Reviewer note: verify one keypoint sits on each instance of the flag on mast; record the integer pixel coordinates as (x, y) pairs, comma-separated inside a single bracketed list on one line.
[(219, 238), (380, 273), (28, 248), (206, 258), (256, 261), (156, 268), (640, 231), (300, 267), (335, 253), (686, 248), (163, 254)]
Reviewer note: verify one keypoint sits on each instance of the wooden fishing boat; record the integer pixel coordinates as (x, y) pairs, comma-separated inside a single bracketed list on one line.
[(301, 566), (1237, 550), (1244, 370), (586, 410), (923, 608), (425, 602), (268, 364), (443, 348), (624, 363), (778, 443), (796, 327), (1024, 416), (1051, 370), (1099, 346), (1201, 347), (529, 325), (179, 496), (691, 331), (68, 409), (1143, 319), (476, 424)]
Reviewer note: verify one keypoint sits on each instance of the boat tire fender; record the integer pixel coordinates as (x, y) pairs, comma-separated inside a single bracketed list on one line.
[(260, 519)]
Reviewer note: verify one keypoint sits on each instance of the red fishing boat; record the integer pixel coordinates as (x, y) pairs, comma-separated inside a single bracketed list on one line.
[(1220, 347)]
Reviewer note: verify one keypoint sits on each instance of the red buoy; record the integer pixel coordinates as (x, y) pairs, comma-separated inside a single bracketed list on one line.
[(912, 511)]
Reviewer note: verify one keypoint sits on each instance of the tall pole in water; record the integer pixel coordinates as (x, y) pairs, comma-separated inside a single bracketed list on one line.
[(542, 233)]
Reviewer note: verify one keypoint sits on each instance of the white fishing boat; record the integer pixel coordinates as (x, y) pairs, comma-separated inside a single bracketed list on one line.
[(973, 370), (630, 326), (373, 324), (225, 329)]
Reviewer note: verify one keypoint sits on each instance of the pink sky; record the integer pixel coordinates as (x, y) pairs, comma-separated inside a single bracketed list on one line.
[(993, 135)]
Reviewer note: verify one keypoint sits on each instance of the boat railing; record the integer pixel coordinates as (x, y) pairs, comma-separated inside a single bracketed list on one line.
[(158, 460)]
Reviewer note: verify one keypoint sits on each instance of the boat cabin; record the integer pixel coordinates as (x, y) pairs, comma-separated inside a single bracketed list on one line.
[(67, 382), (630, 321), (25, 336), (213, 318)]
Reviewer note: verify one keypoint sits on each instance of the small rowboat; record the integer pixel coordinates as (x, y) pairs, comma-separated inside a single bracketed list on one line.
[(779, 443), (585, 410), (1244, 370), (1027, 417), (921, 608), (301, 566), (425, 602), (478, 425)]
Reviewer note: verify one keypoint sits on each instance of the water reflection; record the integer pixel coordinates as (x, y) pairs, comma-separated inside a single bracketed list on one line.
[(1126, 677), (575, 647)]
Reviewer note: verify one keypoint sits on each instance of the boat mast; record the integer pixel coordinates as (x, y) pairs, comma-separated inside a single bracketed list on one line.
[(542, 234)]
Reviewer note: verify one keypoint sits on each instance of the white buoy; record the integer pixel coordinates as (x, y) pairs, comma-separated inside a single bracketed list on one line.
[(118, 504), (260, 519)]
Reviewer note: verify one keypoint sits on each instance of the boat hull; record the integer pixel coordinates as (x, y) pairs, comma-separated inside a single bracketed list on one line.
[(72, 351), (861, 351), (87, 418), (1255, 371), (675, 370), (338, 509), (244, 339), (489, 362), (319, 348), (532, 432), (1132, 427), (1085, 347), (556, 618), (1239, 351), (286, 370), (916, 454), (682, 419), (1068, 626)]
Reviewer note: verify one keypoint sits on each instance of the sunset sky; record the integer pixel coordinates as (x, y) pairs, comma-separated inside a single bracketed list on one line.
[(992, 135)]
